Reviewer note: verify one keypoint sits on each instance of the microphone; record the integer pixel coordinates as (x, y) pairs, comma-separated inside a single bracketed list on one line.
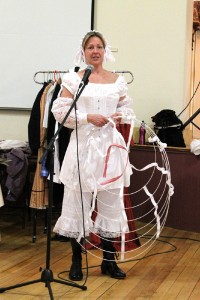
[(44, 172), (86, 75)]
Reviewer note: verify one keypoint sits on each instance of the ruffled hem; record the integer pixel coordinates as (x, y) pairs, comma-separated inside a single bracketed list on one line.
[(73, 228)]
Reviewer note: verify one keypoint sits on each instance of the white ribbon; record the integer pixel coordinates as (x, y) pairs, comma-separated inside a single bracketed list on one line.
[(156, 210)]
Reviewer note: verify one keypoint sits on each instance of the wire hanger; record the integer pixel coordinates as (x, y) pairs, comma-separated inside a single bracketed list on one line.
[(48, 76), (126, 72)]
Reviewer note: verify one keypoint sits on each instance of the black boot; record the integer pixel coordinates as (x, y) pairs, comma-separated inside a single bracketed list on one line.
[(75, 272), (109, 265)]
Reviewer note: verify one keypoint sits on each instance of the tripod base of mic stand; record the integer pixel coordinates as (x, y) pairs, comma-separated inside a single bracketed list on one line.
[(47, 278)]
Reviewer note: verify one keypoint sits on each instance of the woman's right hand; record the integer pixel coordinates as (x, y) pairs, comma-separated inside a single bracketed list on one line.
[(97, 120)]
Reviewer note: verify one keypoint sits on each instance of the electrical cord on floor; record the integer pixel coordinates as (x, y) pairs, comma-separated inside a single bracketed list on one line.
[(129, 260), (174, 248), (180, 238)]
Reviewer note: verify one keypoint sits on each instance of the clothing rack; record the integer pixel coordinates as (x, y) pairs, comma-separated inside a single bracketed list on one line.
[(48, 76), (54, 75)]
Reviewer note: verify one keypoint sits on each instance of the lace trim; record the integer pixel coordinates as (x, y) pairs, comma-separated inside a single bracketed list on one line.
[(76, 235), (107, 234)]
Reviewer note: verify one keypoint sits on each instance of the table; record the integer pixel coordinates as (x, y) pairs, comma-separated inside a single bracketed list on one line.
[(184, 210)]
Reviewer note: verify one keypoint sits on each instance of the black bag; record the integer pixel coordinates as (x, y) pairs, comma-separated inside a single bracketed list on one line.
[(168, 128)]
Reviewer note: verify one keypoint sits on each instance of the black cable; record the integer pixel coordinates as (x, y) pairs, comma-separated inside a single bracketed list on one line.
[(180, 238), (190, 99), (193, 79), (174, 248), (81, 192)]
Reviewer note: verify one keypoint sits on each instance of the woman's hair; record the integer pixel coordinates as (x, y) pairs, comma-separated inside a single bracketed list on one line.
[(80, 57), (91, 34)]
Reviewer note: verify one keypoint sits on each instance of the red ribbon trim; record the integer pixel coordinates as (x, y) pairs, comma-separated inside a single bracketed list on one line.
[(106, 164)]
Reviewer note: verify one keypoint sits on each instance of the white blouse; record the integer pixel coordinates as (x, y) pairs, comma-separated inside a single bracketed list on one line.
[(93, 142), (96, 98)]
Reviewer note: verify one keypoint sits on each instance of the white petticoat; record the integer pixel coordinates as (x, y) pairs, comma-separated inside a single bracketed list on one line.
[(93, 144)]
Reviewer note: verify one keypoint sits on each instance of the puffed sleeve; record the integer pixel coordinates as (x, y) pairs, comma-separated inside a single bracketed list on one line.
[(122, 86), (62, 105), (71, 82), (125, 105)]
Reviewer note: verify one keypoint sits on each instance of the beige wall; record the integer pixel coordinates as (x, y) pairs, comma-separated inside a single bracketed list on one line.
[(153, 41), (14, 125)]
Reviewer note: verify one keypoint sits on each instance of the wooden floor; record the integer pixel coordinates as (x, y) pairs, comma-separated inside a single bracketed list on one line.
[(171, 269)]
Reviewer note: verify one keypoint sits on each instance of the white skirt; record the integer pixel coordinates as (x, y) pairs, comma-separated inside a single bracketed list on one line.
[(93, 146)]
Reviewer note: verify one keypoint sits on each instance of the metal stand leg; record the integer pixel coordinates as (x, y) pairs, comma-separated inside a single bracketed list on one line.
[(47, 274)]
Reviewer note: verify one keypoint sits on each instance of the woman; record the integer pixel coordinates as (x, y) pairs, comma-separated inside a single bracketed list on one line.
[(103, 170)]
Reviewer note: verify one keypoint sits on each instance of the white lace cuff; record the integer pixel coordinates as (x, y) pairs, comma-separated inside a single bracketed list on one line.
[(124, 107), (60, 108)]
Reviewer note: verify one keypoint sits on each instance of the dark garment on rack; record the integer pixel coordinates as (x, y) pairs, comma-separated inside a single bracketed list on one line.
[(34, 123), (34, 128), (64, 134), (39, 193), (17, 172), (63, 141), (51, 119)]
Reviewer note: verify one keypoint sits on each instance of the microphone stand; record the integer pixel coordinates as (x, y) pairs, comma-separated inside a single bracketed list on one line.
[(47, 274), (190, 120)]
